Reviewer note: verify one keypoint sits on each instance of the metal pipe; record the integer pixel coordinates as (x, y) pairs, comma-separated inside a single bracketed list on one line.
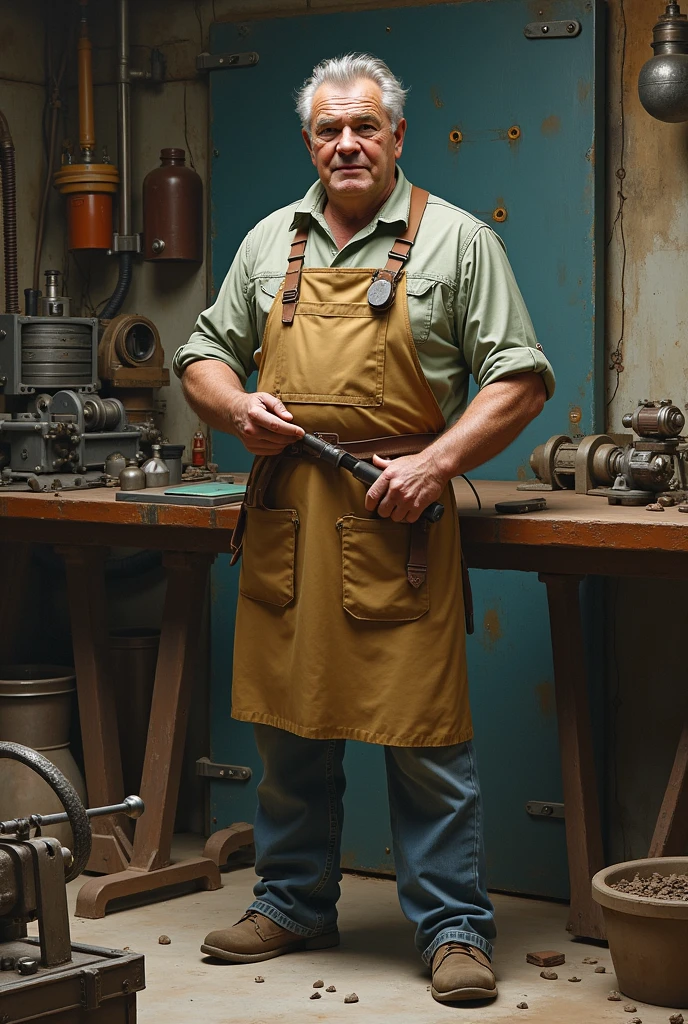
[(8, 179), (87, 131), (123, 118)]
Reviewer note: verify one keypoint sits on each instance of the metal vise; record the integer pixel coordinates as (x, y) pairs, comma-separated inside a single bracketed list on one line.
[(49, 976), (626, 473)]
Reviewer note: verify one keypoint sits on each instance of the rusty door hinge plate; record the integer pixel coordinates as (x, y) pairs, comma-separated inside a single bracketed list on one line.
[(538, 809), (568, 29), (233, 772), (226, 61)]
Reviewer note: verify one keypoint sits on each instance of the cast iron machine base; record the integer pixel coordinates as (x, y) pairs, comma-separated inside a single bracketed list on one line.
[(47, 978)]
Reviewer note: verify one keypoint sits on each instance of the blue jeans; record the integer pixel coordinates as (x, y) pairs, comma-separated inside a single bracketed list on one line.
[(436, 817)]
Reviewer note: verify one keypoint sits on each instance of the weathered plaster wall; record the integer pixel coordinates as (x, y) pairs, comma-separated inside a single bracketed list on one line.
[(647, 310)]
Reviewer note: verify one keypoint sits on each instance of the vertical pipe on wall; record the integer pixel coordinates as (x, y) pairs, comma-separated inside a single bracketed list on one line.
[(8, 178), (123, 119), (87, 132), (126, 258)]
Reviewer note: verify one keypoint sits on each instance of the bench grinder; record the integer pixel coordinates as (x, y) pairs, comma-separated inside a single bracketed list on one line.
[(623, 469), (48, 978)]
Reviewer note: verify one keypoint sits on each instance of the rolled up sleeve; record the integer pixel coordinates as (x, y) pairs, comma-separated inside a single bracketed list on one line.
[(226, 331), (498, 339)]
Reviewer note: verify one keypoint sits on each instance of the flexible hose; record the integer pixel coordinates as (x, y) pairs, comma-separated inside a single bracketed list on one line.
[(116, 300), (9, 215), (69, 798)]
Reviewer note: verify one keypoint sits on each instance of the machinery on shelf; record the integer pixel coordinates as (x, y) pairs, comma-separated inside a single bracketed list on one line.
[(48, 978), (621, 468), (60, 430)]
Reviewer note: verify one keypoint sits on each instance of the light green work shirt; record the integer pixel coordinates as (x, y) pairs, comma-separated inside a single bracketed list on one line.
[(466, 311)]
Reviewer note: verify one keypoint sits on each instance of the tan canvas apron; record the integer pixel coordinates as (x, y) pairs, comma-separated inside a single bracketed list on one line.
[(332, 638)]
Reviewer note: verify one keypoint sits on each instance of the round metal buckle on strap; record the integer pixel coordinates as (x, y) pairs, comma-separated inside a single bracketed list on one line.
[(381, 293)]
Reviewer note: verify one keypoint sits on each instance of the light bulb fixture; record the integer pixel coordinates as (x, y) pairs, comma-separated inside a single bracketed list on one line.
[(663, 80)]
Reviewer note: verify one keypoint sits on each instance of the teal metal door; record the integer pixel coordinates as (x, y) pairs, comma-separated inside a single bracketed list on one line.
[(505, 127)]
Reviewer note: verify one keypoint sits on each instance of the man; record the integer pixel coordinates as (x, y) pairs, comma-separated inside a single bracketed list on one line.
[(350, 618)]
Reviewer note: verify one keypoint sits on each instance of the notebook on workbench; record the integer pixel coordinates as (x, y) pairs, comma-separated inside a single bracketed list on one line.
[(206, 494)]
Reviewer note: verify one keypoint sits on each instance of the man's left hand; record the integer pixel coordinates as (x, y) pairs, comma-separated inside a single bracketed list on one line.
[(408, 485)]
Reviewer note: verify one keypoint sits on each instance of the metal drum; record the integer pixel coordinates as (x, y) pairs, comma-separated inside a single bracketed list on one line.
[(35, 709), (57, 354)]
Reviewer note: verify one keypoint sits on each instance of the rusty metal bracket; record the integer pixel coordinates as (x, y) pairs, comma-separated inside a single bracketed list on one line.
[(232, 772), (226, 61), (568, 29), (538, 809)]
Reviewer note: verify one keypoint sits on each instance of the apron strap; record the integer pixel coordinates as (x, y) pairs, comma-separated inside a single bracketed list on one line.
[(401, 250), (292, 282), (383, 289), (396, 260), (417, 566)]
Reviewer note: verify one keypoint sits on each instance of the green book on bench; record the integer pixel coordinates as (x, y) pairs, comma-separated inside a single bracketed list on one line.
[(208, 494)]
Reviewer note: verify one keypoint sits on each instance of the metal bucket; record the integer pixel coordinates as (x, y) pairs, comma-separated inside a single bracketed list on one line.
[(35, 709)]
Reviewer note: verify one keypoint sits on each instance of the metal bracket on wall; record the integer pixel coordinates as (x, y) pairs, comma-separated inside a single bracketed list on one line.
[(233, 772), (568, 29), (538, 809), (225, 61)]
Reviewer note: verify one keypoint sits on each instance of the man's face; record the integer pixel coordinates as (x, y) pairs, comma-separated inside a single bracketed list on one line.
[(352, 144)]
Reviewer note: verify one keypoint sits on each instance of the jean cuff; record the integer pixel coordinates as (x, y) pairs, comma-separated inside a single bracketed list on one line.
[(267, 910), (456, 935)]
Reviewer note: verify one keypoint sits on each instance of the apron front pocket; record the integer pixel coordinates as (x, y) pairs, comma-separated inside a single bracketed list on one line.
[(338, 345), (268, 555), (375, 553)]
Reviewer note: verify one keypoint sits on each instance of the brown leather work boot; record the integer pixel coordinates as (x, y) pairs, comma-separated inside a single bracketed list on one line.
[(255, 937), (461, 973)]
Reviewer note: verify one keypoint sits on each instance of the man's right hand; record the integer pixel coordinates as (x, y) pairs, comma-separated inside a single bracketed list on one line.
[(262, 423)]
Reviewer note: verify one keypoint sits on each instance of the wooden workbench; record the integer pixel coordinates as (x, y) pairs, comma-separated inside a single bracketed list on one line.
[(574, 537)]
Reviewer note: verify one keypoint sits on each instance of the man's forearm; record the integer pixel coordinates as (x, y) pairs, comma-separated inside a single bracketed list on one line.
[(494, 419), (211, 387)]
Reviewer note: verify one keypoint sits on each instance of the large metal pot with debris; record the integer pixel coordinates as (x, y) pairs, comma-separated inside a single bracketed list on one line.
[(645, 906)]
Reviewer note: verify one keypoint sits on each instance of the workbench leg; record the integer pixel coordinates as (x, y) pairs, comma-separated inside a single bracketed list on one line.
[(581, 803), (150, 868), (670, 838), (85, 569), (15, 560)]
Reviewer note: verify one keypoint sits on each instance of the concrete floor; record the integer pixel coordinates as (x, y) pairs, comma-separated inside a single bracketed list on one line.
[(376, 960)]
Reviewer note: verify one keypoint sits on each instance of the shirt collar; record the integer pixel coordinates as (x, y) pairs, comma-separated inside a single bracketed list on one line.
[(394, 211)]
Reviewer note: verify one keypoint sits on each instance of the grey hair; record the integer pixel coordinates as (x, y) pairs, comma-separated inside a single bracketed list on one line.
[(345, 71)]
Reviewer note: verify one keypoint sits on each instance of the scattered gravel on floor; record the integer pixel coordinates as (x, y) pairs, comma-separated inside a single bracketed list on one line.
[(164, 940), (600, 970), (676, 1018), (521, 1006), (635, 1020), (614, 997), (351, 998), (316, 995), (318, 984), (589, 960), (574, 978), (549, 975), (656, 887), (330, 988), (630, 1008), (259, 979)]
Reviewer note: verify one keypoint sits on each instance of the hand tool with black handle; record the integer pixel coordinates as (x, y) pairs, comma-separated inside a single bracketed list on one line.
[(361, 470)]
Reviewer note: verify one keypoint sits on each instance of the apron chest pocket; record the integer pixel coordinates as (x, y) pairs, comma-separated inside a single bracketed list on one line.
[(268, 556), (375, 587)]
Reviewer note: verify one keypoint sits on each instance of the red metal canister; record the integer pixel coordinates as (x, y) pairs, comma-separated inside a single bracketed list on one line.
[(198, 451), (173, 210)]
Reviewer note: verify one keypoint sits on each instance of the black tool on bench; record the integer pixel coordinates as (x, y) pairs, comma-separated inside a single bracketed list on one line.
[(359, 468)]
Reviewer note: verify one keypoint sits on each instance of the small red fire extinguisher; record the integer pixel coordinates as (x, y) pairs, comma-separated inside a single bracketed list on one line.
[(198, 451)]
